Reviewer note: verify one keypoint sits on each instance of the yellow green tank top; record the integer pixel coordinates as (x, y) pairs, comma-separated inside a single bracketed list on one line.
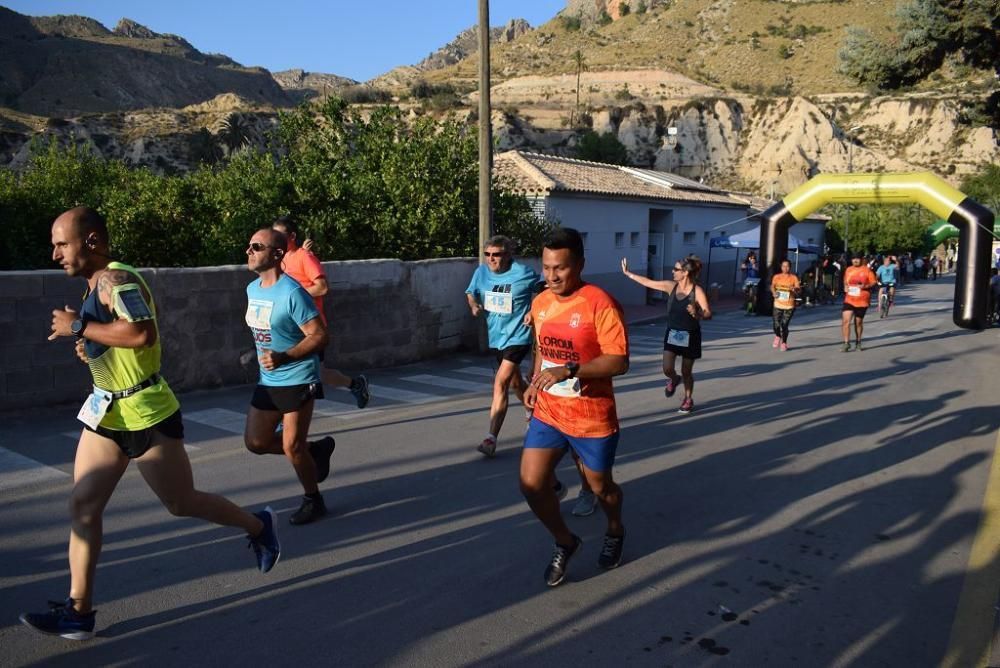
[(117, 369)]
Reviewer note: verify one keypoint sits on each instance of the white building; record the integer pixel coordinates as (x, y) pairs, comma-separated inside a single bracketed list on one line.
[(652, 218)]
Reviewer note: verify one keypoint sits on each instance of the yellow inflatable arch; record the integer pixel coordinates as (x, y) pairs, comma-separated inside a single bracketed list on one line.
[(974, 222)]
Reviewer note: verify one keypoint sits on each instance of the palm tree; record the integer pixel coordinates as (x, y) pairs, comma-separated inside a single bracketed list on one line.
[(581, 66), (235, 132)]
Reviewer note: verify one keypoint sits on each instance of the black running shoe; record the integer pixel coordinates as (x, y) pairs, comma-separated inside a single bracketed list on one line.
[(266, 546), (359, 388), (611, 552), (310, 511), (555, 572), (321, 452), (62, 620)]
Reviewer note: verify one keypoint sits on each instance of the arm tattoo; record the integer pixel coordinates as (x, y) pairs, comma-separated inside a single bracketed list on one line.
[(107, 282)]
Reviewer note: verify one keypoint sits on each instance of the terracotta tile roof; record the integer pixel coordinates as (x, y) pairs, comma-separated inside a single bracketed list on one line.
[(536, 173)]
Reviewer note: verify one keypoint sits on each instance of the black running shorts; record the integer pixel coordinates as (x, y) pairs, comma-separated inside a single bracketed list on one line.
[(859, 311), (285, 399), (134, 444), (514, 354)]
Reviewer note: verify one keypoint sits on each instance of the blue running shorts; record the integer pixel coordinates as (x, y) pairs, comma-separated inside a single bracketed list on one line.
[(598, 454)]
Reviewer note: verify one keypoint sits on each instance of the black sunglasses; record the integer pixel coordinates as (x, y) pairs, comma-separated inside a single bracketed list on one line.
[(257, 246), (500, 254)]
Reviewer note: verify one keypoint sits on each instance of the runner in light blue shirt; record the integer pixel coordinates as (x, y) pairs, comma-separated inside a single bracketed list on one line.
[(503, 289)]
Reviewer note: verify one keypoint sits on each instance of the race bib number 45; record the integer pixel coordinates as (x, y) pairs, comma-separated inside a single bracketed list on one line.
[(499, 302)]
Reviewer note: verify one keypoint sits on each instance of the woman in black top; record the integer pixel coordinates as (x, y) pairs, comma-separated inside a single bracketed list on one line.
[(686, 308)]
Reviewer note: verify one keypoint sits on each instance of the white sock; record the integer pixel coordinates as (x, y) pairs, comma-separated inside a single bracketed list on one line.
[(493, 436)]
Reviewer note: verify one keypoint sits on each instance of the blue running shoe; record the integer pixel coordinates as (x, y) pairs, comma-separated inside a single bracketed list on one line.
[(359, 388), (266, 545), (62, 620)]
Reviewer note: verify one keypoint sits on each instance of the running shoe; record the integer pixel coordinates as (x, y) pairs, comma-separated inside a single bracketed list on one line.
[(776, 342), (555, 572), (560, 490), (488, 447), (784, 347), (311, 509), (671, 386), (611, 552), (586, 503), (359, 388), (846, 348), (686, 406), (266, 545), (857, 347), (321, 452), (62, 620)]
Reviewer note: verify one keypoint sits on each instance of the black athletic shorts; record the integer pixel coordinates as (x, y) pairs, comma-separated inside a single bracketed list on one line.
[(285, 399), (513, 353), (691, 351), (134, 444), (859, 311)]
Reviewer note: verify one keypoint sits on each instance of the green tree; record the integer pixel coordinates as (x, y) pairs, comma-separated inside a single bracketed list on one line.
[(984, 187), (601, 148)]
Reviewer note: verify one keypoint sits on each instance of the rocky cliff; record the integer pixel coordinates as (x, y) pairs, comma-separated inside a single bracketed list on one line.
[(61, 66)]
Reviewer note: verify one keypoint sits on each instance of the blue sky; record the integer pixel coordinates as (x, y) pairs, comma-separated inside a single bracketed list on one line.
[(351, 38)]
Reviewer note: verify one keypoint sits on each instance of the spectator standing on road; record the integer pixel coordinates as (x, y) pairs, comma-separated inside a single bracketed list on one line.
[(784, 288), (918, 267), (289, 333), (934, 263), (303, 266), (131, 414), (858, 282), (581, 343), (503, 289), (687, 306)]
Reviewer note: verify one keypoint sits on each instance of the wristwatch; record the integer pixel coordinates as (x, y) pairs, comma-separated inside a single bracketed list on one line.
[(573, 368), (77, 327)]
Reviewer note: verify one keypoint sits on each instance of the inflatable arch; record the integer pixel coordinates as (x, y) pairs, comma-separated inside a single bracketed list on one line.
[(942, 230), (973, 221)]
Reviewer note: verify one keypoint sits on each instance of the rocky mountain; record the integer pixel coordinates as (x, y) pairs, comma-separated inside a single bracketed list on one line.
[(60, 66), (455, 51), (302, 85)]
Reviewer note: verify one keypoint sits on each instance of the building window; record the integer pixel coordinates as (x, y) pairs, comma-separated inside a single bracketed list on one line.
[(619, 240), (690, 238), (634, 239)]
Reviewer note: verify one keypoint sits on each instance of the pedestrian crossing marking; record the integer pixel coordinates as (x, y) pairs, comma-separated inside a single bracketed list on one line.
[(18, 471), (405, 396), (477, 371), (453, 383), (343, 411), (220, 418)]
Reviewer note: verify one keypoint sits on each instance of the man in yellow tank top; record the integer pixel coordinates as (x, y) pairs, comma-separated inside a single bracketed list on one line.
[(131, 414)]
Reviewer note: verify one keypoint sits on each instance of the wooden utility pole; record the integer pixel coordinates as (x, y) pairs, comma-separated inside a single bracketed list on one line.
[(485, 131)]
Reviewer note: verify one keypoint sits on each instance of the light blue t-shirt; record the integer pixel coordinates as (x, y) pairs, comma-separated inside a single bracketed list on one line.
[(275, 316), (886, 274), (506, 297)]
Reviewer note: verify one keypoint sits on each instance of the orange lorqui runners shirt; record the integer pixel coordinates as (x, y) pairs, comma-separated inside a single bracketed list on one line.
[(587, 324)]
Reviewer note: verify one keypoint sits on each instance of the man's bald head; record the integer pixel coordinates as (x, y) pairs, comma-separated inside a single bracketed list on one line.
[(85, 223)]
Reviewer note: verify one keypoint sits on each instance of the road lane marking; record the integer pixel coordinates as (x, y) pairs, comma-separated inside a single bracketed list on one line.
[(405, 396), (974, 629), (453, 383), (220, 418), (18, 471)]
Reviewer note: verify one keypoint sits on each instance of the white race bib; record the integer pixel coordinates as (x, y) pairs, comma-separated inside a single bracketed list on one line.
[(854, 291), (259, 314), (678, 337), (94, 408), (568, 388), (499, 302), (784, 295)]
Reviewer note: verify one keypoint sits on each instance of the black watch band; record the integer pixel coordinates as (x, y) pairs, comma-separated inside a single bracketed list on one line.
[(77, 327), (573, 369)]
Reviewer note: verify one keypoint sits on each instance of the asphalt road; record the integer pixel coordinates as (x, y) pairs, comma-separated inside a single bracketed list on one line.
[(817, 509)]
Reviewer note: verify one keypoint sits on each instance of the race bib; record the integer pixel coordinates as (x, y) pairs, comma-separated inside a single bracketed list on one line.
[(678, 337), (854, 291), (784, 295), (94, 408), (499, 302), (568, 388), (259, 314)]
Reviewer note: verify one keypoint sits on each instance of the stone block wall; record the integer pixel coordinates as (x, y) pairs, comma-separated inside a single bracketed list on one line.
[(380, 313)]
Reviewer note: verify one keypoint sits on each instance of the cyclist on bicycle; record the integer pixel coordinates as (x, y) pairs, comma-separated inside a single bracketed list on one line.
[(887, 275)]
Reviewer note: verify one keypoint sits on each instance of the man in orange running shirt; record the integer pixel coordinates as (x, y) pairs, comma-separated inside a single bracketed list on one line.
[(858, 283), (580, 344)]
